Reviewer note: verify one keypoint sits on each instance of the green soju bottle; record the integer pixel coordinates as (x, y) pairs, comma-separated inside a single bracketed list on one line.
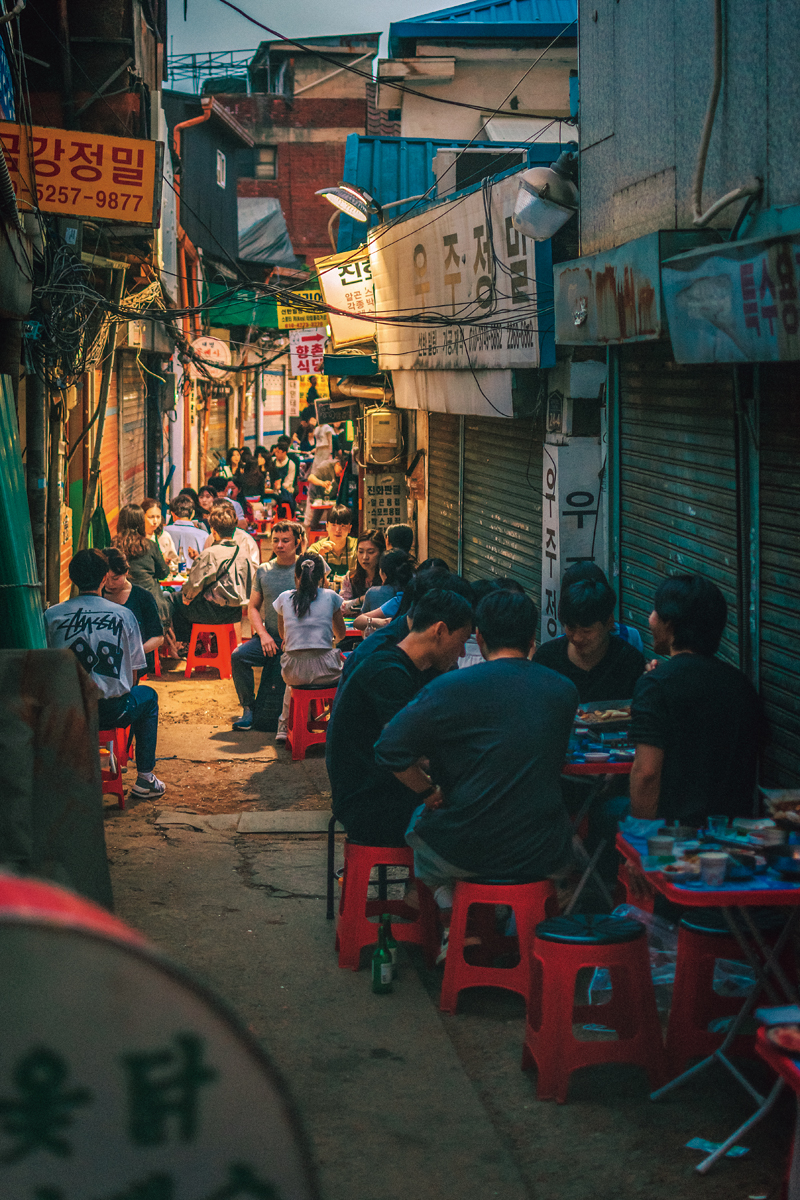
[(381, 965), (390, 943)]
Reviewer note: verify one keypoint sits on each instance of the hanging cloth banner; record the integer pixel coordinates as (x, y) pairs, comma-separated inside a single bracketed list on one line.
[(462, 260)]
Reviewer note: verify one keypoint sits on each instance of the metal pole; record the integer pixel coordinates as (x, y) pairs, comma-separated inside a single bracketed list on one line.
[(54, 497), (613, 473), (117, 287), (461, 443), (35, 463)]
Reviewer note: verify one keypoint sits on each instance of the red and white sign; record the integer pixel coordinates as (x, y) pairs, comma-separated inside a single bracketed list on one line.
[(306, 347), (216, 356)]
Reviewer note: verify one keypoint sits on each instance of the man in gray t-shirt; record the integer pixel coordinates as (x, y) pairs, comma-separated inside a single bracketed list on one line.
[(265, 645)]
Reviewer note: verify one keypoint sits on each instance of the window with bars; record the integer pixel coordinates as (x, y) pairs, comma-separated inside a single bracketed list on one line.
[(267, 162)]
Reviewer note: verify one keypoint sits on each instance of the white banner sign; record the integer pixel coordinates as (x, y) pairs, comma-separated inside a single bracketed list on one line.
[(346, 282), (460, 262), (572, 519), (306, 347)]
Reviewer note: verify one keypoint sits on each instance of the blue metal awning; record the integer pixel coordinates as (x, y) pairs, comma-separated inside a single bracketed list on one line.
[(501, 20)]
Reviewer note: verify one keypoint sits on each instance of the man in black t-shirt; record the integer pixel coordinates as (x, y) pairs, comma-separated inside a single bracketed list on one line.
[(368, 800), (601, 665), (696, 721)]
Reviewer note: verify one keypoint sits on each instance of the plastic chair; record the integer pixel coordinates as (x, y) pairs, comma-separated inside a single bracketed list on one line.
[(283, 512), (227, 642), (529, 902), (562, 947), (309, 713), (354, 929), (703, 937), (316, 535), (112, 774), (302, 491)]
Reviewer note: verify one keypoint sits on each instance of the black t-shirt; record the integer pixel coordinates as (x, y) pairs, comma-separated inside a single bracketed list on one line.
[(496, 735), (706, 717), (373, 806), (614, 677), (145, 609)]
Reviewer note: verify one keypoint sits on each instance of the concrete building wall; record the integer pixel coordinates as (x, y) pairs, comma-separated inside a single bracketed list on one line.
[(645, 72)]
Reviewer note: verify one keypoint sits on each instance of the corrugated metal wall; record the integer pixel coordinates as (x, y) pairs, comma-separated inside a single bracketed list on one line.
[(503, 501), (780, 571), (109, 452), (443, 441), (132, 431), (677, 482)]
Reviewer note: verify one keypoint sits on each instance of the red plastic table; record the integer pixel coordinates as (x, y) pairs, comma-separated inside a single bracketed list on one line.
[(761, 957), (787, 1069)]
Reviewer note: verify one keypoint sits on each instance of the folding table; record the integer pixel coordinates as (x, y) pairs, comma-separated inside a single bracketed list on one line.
[(598, 770), (730, 898), (788, 1069)]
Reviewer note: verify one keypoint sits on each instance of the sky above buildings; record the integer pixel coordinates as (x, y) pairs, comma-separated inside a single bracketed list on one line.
[(212, 26)]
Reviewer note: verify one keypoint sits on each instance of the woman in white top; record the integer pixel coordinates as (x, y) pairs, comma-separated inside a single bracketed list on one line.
[(310, 623)]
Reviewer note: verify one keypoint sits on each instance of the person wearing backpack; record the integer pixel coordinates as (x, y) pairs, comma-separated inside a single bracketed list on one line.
[(219, 583)]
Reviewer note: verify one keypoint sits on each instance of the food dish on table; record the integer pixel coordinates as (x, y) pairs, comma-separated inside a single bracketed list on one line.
[(785, 1038)]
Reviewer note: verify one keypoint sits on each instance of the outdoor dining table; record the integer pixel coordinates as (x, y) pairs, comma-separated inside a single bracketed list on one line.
[(762, 891), (787, 1067), (598, 770)]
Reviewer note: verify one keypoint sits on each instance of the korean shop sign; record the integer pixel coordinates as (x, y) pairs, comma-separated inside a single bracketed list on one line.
[(346, 281), (735, 302), (306, 348), (80, 174), (464, 261), (295, 316), (121, 1079)]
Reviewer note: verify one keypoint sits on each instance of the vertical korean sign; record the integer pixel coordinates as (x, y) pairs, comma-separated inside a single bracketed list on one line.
[(572, 518), (462, 262), (80, 174)]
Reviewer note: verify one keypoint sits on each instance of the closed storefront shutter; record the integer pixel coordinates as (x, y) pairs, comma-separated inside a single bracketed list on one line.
[(443, 442), (272, 400), (503, 501), (780, 571), (109, 451), (217, 433), (677, 482), (132, 432)]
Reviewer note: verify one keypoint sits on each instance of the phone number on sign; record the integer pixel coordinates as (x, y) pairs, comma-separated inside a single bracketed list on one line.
[(50, 194)]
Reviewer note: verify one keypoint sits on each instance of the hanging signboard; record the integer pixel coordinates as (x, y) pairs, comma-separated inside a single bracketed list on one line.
[(465, 262), (346, 282), (295, 316), (384, 500), (306, 349), (735, 302), (81, 174), (572, 518), (216, 356)]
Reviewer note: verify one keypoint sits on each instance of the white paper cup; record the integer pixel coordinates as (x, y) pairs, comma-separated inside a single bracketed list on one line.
[(712, 867), (660, 846)]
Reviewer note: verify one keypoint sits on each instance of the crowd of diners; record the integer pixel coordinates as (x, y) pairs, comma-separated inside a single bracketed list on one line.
[(450, 727)]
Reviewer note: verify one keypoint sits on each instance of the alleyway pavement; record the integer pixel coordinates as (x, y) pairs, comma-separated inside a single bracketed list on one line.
[(398, 1100)]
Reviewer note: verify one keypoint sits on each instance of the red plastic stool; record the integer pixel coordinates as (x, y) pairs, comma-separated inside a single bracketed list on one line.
[(226, 644), (354, 929), (302, 492), (308, 718), (283, 512), (703, 937), (562, 947), (316, 535), (112, 779), (529, 902)]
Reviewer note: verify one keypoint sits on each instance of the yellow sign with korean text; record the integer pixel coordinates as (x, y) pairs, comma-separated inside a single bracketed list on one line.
[(294, 316), (78, 174)]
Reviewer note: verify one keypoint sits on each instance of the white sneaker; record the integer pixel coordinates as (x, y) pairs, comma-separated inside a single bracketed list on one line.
[(147, 789), (280, 738)]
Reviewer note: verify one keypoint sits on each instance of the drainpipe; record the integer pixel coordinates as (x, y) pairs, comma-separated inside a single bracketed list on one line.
[(36, 464), (54, 498)]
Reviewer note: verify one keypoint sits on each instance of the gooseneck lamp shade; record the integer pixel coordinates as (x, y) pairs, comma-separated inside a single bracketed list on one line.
[(546, 199), (352, 201)]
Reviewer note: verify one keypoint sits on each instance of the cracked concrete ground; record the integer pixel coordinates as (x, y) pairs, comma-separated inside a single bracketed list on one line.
[(398, 1099)]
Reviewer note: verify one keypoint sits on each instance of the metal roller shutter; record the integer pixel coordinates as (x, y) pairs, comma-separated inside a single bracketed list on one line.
[(443, 443), (503, 501), (780, 570), (132, 432), (677, 482)]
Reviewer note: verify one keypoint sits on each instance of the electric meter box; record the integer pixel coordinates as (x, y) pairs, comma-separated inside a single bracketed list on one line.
[(382, 429)]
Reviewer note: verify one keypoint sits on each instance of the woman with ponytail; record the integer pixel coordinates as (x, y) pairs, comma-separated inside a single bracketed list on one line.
[(310, 623)]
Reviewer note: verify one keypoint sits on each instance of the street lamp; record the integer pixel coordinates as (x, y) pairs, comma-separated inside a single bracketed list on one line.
[(353, 201), (547, 198)]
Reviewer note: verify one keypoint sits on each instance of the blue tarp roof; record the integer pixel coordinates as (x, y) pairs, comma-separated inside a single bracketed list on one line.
[(498, 19), (392, 168)]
